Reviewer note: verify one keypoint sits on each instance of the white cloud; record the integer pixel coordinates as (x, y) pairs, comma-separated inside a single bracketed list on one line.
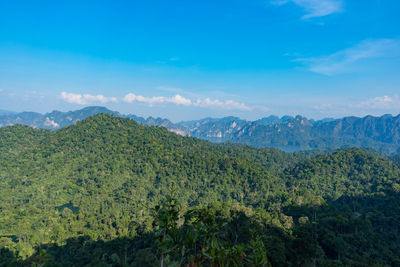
[(380, 102), (356, 106), (180, 100), (86, 98), (215, 103), (315, 8), (177, 99), (346, 60), (99, 98)]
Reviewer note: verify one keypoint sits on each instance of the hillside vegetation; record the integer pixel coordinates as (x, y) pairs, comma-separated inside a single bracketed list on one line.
[(286, 133), (111, 192)]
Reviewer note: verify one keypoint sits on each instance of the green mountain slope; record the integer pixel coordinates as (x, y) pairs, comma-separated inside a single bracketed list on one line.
[(350, 172), (87, 192), (110, 171)]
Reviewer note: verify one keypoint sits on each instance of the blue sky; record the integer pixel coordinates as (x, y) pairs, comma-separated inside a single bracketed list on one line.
[(191, 59)]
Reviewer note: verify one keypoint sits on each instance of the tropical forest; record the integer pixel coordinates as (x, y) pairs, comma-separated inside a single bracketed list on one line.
[(111, 192)]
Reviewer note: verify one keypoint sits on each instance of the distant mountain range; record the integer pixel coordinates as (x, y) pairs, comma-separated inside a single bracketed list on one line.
[(287, 133), (3, 112)]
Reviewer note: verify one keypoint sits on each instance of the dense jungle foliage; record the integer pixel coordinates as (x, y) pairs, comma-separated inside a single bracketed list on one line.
[(110, 192)]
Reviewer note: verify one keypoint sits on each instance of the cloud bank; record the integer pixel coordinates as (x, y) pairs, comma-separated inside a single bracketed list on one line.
[(83, 99), (180, 100), (380, 102), (177, 99), (315, 8), (377, 106)]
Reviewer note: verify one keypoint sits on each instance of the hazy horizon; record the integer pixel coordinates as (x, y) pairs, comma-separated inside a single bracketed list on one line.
[(5, 112)]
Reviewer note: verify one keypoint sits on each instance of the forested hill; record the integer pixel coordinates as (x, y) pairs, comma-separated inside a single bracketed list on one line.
[(57, 119), (287, 133), (88, 194)]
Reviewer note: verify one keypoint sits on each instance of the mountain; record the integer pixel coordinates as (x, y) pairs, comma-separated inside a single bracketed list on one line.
[(395, 158), (57, 119), (110, 191), (52, 120), (216, 130), (102, 175), (268, 120), (150, 121), (287, 133), (299, 133)]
